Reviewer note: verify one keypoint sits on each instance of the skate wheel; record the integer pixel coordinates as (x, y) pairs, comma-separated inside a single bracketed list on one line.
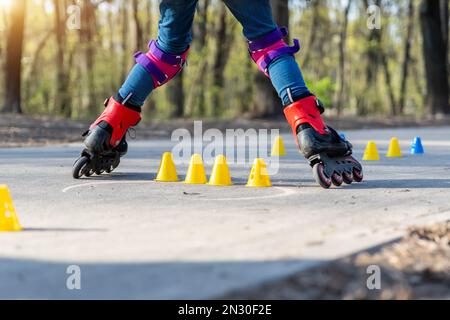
[(337, 179), (347, 177), (358, 176), (79, 167), (89, 173), (320, 176)]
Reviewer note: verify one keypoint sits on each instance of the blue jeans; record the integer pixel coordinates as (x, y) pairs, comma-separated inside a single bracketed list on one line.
[(174, 36)]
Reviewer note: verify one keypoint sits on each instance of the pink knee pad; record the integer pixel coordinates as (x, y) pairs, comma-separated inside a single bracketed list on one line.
[(161, 66), (266, 49)]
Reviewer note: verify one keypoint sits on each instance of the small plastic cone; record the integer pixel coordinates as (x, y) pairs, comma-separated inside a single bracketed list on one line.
[(278, 148), (394, 150), (8, 216), (167, 171), (259, 176), (417, 147), (220, 175), (371, 153), (196, 171)]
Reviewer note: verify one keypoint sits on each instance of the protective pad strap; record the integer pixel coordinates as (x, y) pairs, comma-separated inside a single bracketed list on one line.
[(158, 76), (272, 55), (266, 49), (268, 39), (160, 65)]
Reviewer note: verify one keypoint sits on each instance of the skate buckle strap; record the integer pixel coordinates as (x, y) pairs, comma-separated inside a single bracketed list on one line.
[(151, 68), (174, 60), (268, 48), (272, 55), (268, 39), (160, 65)]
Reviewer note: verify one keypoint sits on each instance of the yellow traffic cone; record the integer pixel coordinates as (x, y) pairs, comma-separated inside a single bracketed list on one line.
[(196, 171), (278, 148), (8, 217), (259, 176), (394, 150), (167, 171), (220, 175), (371, 153)]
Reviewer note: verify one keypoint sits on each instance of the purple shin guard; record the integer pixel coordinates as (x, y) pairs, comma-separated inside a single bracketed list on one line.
[(266, 49), (160, 65)]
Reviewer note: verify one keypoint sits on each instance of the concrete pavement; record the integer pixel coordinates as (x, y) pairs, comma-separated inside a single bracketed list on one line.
[(134, 238)]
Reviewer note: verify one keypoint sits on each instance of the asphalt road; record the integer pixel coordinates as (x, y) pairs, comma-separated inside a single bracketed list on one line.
[(135, 238)]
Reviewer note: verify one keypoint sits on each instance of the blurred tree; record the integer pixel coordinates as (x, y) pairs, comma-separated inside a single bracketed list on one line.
[(224, 42), (434, 23), (344, 62), (196, 93), (265, 99), (139, 37), (14, 49), (407, 56), (87, 43), (124, 39), (339, 100), (62, 96)]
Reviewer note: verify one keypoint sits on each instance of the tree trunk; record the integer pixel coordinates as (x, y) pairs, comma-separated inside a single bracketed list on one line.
[(62, 96), (13, 67), (87, 33), (224, 37), (388, 77), (266, 100), (196, 94), (376, 58), (124, 40), (138, 29), (33, 74), (341, 69), (373, 52), (435, 44), (312, 33), (407, 56), (175, 95)]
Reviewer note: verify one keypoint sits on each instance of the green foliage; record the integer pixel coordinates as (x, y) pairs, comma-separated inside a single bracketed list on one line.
[(324, 88), (114, 41)]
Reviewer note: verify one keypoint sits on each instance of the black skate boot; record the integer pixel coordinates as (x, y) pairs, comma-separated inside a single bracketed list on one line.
[(328, 154), (105, 140)]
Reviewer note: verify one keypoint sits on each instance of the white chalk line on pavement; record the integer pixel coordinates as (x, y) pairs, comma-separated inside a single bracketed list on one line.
[(285, 191), (82, 185)]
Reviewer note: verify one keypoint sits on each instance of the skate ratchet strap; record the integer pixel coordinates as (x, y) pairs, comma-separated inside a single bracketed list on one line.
[(174, 60), (157, 75), (268, 39), (272, 55), (160, 65), (268, 48)]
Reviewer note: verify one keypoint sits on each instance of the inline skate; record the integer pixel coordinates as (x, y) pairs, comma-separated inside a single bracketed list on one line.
[(329, 155), (105, 140)]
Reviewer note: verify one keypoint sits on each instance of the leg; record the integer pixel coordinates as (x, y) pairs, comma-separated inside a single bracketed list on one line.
[(326, 151), (284, 71), (105, 140), (174, 37)]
